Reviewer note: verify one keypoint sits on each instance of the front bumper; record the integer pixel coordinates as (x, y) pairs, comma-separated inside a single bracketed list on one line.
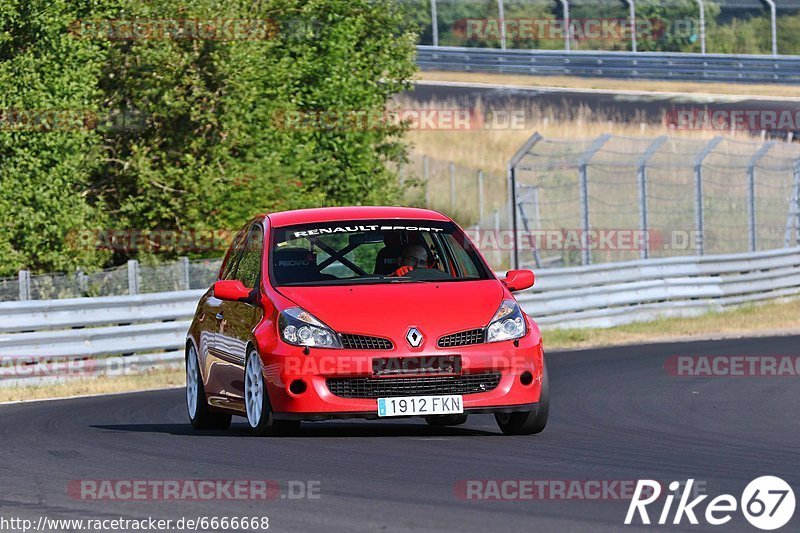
[(317, 402), (373, 415)]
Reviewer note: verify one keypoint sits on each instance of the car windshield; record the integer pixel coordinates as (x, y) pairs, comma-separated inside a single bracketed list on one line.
[(373, 251)]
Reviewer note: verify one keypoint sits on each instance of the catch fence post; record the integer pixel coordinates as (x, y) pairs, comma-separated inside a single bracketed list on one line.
[(133, 277), (24, 285)]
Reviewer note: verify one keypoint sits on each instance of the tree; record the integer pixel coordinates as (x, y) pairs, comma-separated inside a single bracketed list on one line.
[(193, 137), (48, 147)]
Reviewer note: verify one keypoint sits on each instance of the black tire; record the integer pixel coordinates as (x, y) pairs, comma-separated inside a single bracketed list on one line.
[(203, 417), (530, 422), (267, 425), (446, 420)]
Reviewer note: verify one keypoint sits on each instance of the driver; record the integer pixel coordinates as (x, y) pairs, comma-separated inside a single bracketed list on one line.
[(411, 256)]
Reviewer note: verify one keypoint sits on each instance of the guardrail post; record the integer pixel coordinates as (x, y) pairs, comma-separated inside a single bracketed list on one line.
[(512, 188), (452, 168), (698, 209), (644, 252), (496, 216), (502, 15), (797, 204), (586, 254), (793, 218), (512, 185), (699, 217), (583, 184), (537, 225), (797, 207), (480, 195), (434, 23), (641, 166), (751, 192), (24, 285), (773, 26), (426, 176), (184, 266), (567, 31), (632, 9), (133, 277), (83, 281), (702, 7)]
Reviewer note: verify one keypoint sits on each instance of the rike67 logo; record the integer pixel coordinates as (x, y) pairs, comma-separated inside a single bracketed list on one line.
[(767, 503)]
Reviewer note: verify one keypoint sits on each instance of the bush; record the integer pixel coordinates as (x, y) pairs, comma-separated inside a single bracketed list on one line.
[(193, 138)]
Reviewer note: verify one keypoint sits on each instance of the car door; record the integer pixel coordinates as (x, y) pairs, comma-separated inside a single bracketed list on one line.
[(241, 318), (214, 321)]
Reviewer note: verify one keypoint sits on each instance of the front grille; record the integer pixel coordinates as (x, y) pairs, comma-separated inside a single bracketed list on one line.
[(364, 342), (462, 338), (431, 364), (388, 387)]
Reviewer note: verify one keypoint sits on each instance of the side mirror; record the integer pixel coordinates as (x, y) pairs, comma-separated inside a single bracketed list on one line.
[(519, 280), (231, 289)]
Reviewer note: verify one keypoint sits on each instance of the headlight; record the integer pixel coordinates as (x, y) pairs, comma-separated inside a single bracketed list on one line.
[(299, 327), (507, 324)]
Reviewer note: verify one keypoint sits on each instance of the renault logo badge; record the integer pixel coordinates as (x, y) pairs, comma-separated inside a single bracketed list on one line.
[(414, 337)]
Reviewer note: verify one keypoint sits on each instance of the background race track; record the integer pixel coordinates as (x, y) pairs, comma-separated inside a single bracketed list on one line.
[(616, 415), (624, 106)]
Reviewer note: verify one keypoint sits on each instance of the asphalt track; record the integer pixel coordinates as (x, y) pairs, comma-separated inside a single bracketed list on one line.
[(619, 105), (616, 415)]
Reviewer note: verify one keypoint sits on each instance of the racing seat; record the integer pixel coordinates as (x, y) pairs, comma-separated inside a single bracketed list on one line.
[(386, 260), (292, 265)]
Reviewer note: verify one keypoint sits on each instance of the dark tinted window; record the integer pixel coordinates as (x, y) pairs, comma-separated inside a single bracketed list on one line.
[(234, 254), (250, 262)]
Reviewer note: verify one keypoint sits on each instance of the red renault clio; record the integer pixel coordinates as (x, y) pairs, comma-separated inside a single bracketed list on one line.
[(362, 312)]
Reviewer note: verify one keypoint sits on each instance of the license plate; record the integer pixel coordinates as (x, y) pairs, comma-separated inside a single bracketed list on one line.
[(420, 405)]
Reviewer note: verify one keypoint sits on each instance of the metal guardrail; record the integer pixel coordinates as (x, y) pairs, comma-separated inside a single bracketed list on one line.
[(131, 278), (123, 334), (51, 340), (620, 293), (622, 65)]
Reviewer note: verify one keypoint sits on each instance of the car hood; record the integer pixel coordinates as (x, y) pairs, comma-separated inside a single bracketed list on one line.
[(389, 310)]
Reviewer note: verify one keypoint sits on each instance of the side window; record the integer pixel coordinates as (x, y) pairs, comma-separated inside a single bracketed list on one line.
[(465, 265), (234, 254), (250, 262), (435, 251)]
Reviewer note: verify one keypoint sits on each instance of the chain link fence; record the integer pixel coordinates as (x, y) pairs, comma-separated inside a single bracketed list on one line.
[(131, 278), (620, 198), (476, 199), (613, 198)]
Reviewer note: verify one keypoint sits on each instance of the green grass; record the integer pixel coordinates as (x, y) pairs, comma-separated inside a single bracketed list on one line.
[(748, 320)]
